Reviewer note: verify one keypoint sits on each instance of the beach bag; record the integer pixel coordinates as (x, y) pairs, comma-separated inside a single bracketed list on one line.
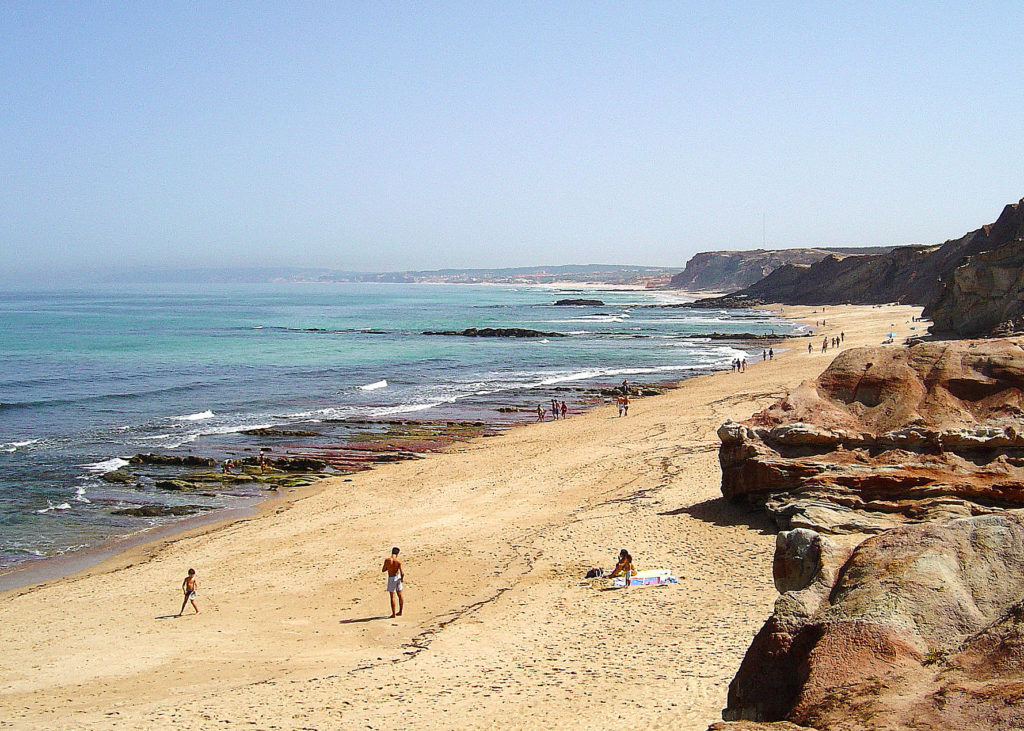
[(595, 574)]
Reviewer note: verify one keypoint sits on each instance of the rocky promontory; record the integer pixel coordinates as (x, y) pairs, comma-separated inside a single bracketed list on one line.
[(970, 286), (886, 435), (726, 271), (578, 303)]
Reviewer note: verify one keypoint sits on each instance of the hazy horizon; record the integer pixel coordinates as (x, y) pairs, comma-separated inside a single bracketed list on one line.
[(391, 138)]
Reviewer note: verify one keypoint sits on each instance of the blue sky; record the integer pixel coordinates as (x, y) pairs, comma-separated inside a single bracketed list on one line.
[(382, 136)]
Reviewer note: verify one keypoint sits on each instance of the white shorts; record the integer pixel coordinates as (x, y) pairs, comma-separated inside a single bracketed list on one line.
[(395, 583)]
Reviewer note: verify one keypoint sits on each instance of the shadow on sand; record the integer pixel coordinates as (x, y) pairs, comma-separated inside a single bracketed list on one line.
[(359, 620), (720, 511)]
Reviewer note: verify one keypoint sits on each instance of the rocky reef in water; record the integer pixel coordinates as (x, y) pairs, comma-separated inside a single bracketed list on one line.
[(886, 435), (921, 627), (497, 332)]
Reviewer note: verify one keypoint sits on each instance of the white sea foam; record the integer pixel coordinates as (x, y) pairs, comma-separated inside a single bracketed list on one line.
[(374, 386), (195, 417), (406, 408), (15, 446), (107, 465), (622, 316), (228, 429), (80, 495), (50, 506)]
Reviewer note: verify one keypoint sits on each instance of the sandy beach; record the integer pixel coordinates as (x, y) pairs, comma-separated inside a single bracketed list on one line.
[(500, 629)]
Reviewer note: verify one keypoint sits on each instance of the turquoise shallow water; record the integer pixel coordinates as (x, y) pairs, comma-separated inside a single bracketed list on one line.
[(89, 377)]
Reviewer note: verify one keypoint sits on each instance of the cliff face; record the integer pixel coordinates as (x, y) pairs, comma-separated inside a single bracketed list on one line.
[(902, 275), (985, 293), (732, 270), (970, 285)]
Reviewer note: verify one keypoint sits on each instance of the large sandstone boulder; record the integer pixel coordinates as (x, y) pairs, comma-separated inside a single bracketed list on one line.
[(888, 434), (922, 627)]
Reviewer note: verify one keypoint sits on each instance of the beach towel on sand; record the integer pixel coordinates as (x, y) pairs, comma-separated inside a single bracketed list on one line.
[(653, 577)]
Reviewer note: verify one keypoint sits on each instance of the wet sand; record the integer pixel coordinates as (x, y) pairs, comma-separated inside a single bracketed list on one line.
[(500, 629)]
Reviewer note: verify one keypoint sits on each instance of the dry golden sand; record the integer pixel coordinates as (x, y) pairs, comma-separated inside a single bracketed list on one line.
[(500, 630)]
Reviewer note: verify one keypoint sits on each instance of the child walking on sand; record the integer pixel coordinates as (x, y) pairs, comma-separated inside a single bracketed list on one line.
[(190, 585), (395, 575)]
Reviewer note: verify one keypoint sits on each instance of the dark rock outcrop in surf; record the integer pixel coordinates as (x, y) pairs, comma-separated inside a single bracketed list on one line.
[(497, 332)]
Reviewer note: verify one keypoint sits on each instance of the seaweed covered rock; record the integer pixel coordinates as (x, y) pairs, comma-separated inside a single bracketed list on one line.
[(160, 511), (173, 460), (298, 464)]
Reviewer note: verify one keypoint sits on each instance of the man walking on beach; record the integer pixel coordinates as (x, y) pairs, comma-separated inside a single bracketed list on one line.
[(393, 567), (190, 585)]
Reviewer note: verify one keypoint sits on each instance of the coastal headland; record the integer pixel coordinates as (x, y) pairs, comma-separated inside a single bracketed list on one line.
[(500, 628)]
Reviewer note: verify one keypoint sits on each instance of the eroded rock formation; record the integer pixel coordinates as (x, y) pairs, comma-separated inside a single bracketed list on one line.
[(885, 435), (922, 627)]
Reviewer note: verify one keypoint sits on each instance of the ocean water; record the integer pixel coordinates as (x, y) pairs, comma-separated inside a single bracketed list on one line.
[(91, 377)]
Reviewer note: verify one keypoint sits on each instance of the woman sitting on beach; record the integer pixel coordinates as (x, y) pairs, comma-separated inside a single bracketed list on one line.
[(624, 567)]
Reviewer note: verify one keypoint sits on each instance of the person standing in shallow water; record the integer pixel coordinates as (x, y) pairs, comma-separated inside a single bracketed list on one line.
[(393, 567)]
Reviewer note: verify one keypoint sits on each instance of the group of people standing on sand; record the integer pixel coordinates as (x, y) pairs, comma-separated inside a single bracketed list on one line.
[(828, 342), (622, 398), (556, 410), (739, 365), (833, 342), (768, 354)]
